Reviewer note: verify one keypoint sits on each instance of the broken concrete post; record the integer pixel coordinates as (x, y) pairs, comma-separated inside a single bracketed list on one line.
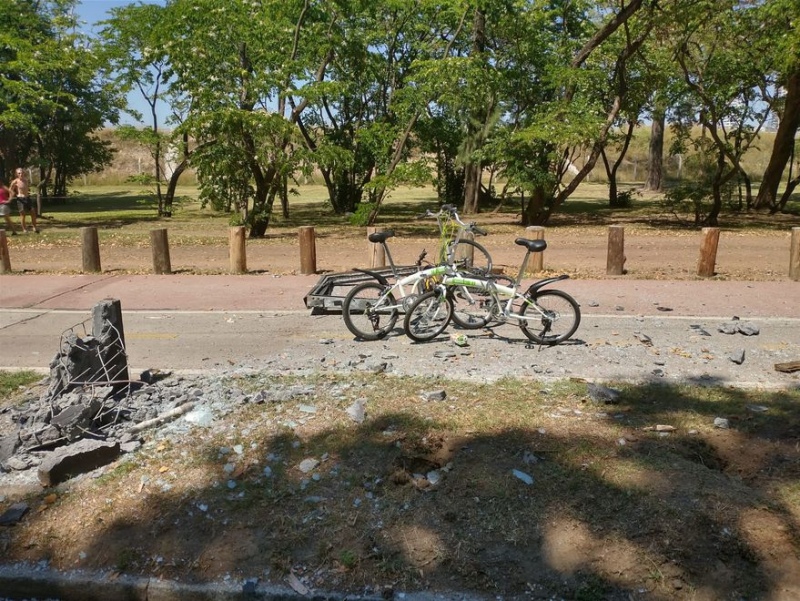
[(108, 331)]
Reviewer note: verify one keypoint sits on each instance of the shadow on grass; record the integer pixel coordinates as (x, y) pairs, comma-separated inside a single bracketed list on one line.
[(432, 496)]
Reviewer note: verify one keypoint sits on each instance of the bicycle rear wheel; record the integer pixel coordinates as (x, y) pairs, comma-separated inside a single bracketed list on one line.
[(560, 317), (428, 316), (369, 313), (471, 257)]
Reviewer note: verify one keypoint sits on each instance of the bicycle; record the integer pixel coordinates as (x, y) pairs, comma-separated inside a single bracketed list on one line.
[(371, 310), (547, 317)]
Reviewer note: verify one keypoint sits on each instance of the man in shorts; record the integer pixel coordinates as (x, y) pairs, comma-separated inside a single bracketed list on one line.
[(20, 190), (5, 206)]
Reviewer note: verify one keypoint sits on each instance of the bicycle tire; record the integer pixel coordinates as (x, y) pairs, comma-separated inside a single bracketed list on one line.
[(559, 308), (428, 316), (470, 257), (363, 318), (472, 307)]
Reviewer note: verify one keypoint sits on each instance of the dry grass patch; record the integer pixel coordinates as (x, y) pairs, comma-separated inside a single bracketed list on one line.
[(433, 494)]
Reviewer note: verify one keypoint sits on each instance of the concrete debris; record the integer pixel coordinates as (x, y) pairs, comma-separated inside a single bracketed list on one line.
[(78, 458), (13, 514), (737, 357), (357, 411), (602, 394), (722, 423)]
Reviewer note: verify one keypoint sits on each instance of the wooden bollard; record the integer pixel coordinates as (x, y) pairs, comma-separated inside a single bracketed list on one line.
[(308, 250), (465, 253), (536, 232), (160, 245), (708, 252), (794, 255), (615, 264), (5, 258), (90, 250), (238, 254), (377, 254)]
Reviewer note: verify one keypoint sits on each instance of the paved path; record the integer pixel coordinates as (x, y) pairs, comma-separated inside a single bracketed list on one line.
[(193, 322)]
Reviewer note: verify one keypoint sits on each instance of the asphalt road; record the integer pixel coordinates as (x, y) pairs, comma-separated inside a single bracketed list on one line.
[(631, 330)]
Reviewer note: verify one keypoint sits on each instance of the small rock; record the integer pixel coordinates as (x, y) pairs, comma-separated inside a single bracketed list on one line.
[(434, 395), (722, 423), (727, 328), (594, 303), (603, 394), (357, 411), (757, 408), (643, 338), (748, 329), (308, 465), (665, 309), (13, 514), (737, 357)]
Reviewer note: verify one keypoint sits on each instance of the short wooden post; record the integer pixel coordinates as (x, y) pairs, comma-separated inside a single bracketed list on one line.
[(308, 250), (237, 251), (794, 255), (708, 252), (535, 232), (5, 258), (160, 246), (615, 264), (377, 254), (91, 250), (465, 253)]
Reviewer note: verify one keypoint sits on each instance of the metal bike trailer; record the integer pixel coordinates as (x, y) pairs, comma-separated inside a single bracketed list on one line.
[(328, 293)]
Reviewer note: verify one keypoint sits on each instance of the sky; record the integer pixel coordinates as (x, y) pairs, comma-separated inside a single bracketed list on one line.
[(92, 11)]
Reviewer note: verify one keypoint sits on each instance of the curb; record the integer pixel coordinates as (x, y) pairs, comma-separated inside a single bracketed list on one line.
[(24, 581)]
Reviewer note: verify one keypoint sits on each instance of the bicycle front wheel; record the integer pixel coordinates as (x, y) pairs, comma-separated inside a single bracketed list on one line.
[(470, 257), (472, 307), (369, 311), (428, 316), (552, 316)]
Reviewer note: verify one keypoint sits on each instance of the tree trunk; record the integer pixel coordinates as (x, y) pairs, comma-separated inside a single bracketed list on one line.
[(655, 157), (537, 210), (782, 148), (169, 196)]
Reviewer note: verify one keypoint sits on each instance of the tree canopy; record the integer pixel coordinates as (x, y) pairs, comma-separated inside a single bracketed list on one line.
[(372, 94)]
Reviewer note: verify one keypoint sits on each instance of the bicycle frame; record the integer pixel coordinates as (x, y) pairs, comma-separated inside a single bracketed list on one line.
[(498, 292)]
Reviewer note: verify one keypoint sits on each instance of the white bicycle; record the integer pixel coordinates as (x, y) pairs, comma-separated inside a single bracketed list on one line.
[(545, 315)]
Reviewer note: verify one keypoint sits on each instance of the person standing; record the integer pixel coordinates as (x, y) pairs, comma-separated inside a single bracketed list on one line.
[(5, 206), (20, 190)]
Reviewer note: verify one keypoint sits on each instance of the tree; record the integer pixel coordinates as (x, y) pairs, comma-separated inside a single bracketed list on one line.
[(51, 99), (782, 18), (727, 74), (135, 58)]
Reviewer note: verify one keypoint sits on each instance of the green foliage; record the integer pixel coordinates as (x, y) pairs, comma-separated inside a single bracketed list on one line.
[(11, 381), (142, 179), (51, 100), (360, 217)]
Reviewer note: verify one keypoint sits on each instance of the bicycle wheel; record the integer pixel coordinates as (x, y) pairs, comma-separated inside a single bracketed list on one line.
[(428, 316), (470, 257), (472, 307), (369, 311), (560, 317)]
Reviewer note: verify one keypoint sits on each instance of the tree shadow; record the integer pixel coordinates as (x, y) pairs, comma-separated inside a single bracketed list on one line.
[(413, 499)]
